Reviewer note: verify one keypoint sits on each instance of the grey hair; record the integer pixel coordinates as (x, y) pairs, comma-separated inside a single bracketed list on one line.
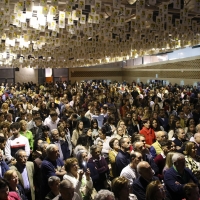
[(176, 156), (53, 179), (52, 131), (79, 155), (93, 148), (17, 154), (42, 144), (79, 148), (50, 148), (66, 184), (103, 194)]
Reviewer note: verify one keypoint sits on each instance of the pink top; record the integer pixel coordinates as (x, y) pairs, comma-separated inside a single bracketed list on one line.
[(13, 196)]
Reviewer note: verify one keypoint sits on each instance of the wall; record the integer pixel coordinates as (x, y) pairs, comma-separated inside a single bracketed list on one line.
[(186, 71), (111, 72), (26, 75)]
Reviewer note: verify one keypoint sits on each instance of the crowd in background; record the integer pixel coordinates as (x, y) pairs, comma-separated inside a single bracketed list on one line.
[(93, 140)]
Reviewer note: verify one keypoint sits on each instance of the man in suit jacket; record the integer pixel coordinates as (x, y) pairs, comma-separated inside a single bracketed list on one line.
[(25, 172), (62, 145), (141, 183), (177, 176)]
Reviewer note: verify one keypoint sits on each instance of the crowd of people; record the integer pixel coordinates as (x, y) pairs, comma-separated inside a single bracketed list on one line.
[(92, 140)]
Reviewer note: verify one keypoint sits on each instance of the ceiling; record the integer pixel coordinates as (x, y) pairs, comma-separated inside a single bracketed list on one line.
[(80, 33)]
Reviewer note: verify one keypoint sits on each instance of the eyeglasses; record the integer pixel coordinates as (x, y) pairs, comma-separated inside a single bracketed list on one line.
[(23, 156)]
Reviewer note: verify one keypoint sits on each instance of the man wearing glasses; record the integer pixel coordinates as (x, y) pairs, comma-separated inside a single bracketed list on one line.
[(25, 171)]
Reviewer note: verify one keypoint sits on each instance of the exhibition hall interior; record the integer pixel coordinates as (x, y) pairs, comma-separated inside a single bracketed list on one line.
[(99, 99), (50, 40)]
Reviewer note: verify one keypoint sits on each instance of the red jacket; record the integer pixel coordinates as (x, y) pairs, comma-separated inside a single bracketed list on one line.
[(149, 135)]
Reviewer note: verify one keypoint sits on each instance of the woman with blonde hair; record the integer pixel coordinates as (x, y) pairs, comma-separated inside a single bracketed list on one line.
[(121, 124), (155, 191), (168, 162), (5, 108), (191, 159), (28, 134), (13, 181)]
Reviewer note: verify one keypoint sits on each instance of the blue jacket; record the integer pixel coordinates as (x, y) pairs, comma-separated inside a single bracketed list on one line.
[(122, 160), (4, 167), (175, 191), (140, 186)]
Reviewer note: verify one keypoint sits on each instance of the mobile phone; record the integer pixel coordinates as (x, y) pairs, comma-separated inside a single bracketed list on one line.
[(84, 165)]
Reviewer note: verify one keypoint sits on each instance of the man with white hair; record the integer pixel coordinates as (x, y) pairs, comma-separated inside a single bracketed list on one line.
[(141, 183), (104, 195), (67, 192), (52, 165), (177, 176)]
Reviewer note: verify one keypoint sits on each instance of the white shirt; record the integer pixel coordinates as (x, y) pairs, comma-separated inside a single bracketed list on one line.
[(75, 197), (106, 147), (129, 173), (52, 125), (77, 184)]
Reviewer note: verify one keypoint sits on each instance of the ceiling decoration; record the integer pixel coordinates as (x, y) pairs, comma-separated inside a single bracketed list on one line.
[(79, 33)]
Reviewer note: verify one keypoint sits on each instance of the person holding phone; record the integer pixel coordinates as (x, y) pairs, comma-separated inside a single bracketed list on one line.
[(80, 178)]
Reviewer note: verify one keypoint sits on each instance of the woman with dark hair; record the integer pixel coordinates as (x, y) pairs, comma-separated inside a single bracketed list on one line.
[(110, 126), (85, 139), (77, 132), (155, 125), (136, 123), (4, 191), (54, 106), (105, 140), (44, 112), (148, 132), (191, 191), (156, 107), (190, 128), (45, 134), (94, 129), (175, 124)]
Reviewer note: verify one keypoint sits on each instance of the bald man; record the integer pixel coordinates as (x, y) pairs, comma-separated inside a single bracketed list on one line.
[(141, 183), (146, 156), (155, 148)]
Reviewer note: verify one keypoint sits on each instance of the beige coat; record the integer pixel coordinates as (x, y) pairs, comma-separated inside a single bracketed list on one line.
[(30, 171)]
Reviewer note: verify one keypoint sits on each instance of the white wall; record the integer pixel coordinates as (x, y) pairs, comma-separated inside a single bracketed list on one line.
[(26, 75)]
